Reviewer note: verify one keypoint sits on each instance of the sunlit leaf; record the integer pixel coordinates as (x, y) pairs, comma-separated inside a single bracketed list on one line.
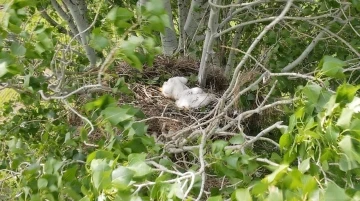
[(42, 183), (138, 165), (334, 192), (345, 118), (276, 174), (333, 67), (3, 69), (215, 198), (285, 141), (121, 177), (241, 195), (99, 154), (101, 173), (304, 165), (155, 7), (345, 93), (312, 92), (116, 115), (274, 194)]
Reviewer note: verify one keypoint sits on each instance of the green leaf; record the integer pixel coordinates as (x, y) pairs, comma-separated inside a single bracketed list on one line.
[(215, 198), (101, 103), (347, 164), (156, 23), (241, 195), (176, 190), (100, 154), (356, 4), (354, 105), (70, 174), (345, 118), (17, 49), (218, 146), (121, 177), (115, 115), (3, 68), (99, 42), (136, 129), (275, 194), (121, 14), (128, 47), (237, 139), (138, 165), (134, 61), (355, 126), (155, 7), (285, 141), (333, 67), (350, 147), (69, 191), (101, 174), (345, 93), (259, 188), (232, 161), (304, 165), (52, 166), (277, 173), (332, 134), (312, 92), (42, 183), (121, 86), (334, 192)]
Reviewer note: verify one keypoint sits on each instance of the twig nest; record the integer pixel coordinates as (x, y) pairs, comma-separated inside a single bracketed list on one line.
[(195, 100)]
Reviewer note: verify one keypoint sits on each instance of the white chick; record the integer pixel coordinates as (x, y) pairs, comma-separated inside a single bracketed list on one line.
[(195, 100), (174, 87), (195, 90)]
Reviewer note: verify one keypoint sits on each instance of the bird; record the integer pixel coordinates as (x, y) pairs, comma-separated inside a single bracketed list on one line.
[(174, 87), (195, 100), (195, 90)]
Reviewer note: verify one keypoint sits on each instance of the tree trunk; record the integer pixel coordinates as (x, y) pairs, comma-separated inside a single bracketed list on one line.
[(66, 17), (231, 59), (193, 19), (168, 38), (78, 12), (208, 44), (183, 13)]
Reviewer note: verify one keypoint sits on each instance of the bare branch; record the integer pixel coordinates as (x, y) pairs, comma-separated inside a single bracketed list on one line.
[(253, 45), (261, 134)]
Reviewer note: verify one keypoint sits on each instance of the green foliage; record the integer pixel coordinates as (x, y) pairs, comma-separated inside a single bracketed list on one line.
[(49, 152)]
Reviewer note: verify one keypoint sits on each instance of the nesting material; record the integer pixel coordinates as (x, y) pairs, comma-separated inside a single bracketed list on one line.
[(186, 98)]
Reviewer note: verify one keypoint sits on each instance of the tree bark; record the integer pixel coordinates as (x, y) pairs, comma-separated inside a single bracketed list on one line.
[(66, 17), (169, 38), (208, 44), (183, 13), (78, 13), (193, 19), (231, 59)]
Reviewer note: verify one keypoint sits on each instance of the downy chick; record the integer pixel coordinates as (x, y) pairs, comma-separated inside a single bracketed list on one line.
[(195, 90), (174, 87), (195, 100)]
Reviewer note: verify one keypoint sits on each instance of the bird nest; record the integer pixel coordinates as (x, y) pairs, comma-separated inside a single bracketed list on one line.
[(162, 114)]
